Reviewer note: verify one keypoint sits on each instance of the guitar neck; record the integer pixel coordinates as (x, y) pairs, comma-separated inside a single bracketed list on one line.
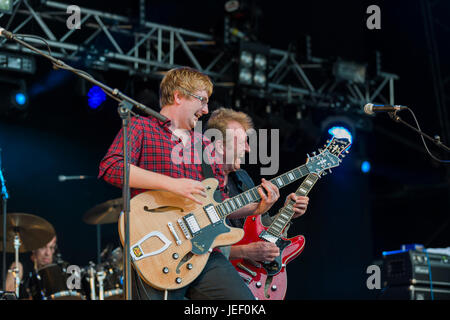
[(233, 204), (286, 213)]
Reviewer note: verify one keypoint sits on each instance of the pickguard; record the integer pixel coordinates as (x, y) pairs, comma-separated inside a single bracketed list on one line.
[(204, 238), (273, 267)]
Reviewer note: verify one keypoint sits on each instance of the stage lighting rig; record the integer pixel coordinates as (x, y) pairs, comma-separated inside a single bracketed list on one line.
[(349, 71), (16, 62), (14, 95), (253, 64), (6, 6)]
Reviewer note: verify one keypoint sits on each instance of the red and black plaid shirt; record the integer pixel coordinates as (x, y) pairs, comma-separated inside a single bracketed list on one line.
[(154, 147)]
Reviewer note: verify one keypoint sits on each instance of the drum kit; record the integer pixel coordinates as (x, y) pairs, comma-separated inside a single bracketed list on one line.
[(102, 281)]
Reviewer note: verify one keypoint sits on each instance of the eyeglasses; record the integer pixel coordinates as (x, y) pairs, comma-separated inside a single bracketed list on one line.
[(203, 100)]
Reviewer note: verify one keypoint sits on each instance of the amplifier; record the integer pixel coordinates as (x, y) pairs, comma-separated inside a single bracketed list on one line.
[(414, 293), (413, 267)]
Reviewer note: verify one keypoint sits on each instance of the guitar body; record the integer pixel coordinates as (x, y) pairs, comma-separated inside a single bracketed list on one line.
[(267, 281), (161, 253)]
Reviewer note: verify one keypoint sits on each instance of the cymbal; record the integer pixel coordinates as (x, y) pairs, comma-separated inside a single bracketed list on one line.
[(103, 213), (34, 232)]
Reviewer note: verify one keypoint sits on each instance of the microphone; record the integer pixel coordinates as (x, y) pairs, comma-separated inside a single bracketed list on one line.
[(5, 33), (62, 178), (371, 108)]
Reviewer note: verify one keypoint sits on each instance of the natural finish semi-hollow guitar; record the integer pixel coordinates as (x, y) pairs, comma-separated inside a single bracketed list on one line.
[(171, 237)]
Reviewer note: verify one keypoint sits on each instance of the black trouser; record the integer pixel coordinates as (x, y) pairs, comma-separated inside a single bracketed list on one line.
[(218, 281)]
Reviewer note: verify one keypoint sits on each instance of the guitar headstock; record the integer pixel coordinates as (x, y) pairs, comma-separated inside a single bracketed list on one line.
[(329, 157)]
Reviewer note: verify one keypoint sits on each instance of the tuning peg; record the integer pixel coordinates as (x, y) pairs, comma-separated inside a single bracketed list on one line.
[(328, 141), (314, 153), (340, 161), (307, 155), (323, 173), (346, 151), (329, 170), (320, 150), (343, 155)]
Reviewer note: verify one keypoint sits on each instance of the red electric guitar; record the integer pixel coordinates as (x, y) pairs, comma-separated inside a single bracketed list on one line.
[(268, 280)]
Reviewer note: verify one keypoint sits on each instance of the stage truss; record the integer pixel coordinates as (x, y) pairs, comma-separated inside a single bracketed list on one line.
[(113, 42)]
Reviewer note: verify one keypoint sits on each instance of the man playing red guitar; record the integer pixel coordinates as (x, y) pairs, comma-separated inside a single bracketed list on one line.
[(233, 125)]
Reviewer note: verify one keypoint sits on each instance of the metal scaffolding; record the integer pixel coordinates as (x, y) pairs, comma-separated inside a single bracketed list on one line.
[(113, 42)]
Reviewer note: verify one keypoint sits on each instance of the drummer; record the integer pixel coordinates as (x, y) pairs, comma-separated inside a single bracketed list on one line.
[(40, 257)]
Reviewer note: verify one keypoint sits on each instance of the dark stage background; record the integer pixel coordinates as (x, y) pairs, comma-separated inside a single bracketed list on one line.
[(352, 217)]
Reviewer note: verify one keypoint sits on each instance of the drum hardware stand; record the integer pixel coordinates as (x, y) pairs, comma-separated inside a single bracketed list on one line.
[(92, 280), (100, 278), (16, 269), (126, 103)]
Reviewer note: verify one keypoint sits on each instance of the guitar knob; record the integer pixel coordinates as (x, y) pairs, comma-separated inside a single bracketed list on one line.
[(274, 288), (175, 256), (258, 284), (165, 270), (178, 280), (189, 266)]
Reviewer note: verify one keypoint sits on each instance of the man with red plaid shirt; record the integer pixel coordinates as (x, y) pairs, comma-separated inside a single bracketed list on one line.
[(163, 156)]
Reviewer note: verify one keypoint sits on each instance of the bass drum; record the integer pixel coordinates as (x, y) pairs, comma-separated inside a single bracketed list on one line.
[(50, 283)]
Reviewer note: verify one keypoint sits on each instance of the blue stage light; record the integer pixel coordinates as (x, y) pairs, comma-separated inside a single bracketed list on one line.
[(21, 98), (96, 96), (341, 132), (365, 166)]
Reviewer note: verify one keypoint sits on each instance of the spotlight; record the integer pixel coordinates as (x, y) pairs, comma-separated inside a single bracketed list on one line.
[(6, 6), (350, 71), (20, 99), (246, 59), (253, 64), (260, 62), (15, 95), (341, 132), (17, 62), (365, 166), (96, 96), (339, 126), (260, 79), (245, 76)]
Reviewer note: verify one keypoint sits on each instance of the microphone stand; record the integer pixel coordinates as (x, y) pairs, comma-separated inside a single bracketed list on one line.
[(124, 109), (5, 197), (437, 141)]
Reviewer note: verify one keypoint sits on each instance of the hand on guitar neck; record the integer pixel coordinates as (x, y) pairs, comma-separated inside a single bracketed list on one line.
[(299, 203), (263, 250)]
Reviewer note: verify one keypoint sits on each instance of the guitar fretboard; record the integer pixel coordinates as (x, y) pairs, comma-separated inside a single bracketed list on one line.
[(286, 213), (229, 206)]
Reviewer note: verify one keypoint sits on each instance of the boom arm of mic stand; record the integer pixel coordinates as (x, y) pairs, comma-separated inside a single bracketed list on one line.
[(126, 104), (438, 142)]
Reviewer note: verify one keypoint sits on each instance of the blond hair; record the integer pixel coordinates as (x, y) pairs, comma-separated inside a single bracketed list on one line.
[(221, 117), (183, 78)]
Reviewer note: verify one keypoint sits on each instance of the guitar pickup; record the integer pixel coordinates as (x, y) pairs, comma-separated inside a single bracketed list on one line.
[(212, 214), (192, 224), (268, 237)]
